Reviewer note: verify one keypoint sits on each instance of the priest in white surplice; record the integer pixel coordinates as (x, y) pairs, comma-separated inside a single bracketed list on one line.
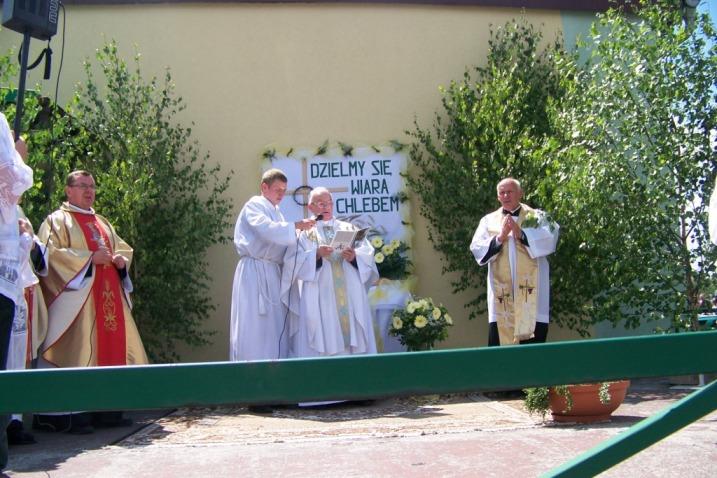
[(15, 178), (261, 236), (333, 315), (518, 275)]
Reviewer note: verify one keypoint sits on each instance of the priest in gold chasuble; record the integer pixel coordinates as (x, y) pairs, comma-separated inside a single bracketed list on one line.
[(87, 287), (514, 241)]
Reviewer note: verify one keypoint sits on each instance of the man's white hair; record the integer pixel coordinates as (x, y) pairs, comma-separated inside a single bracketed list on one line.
[(318, 191), (509, 180)]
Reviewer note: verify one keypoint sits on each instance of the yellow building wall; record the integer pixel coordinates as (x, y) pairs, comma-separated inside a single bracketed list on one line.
[(254, 75)]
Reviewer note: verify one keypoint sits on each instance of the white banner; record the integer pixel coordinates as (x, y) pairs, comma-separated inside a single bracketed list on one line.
[(367, 187)]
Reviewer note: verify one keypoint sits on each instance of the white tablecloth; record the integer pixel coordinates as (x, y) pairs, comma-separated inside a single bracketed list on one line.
[(385, 298)]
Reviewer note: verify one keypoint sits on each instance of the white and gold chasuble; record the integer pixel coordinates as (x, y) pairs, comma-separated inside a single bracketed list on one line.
[(72, 339), (518, 275), (515, 302)]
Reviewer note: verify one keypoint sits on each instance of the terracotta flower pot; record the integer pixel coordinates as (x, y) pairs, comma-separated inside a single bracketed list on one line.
[(586, 402)]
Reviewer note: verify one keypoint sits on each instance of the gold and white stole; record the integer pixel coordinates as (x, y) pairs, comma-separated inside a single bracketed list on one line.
[(515, 302), (326, 233)]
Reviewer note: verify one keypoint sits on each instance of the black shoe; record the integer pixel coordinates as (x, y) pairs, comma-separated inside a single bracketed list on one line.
[(110, 420), (51, 423), (261, 409), (81, 424), (17, 436), (81, 430), (505, 394), (122, 422), (495, 395), (361, 403)]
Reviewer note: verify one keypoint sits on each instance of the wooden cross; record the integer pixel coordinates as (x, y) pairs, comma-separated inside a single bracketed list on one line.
[(304, 191)]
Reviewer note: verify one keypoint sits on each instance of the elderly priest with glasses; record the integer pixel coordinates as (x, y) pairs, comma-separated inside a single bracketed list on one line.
[(333, 315), (514, 241)]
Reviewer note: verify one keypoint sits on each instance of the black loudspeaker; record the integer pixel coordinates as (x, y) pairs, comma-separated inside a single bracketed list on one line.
[(36, 17)]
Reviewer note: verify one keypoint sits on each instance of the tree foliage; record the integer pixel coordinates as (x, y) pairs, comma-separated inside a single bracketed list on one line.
[(619, 148), (154, 185), (491, 124), (637, 165)]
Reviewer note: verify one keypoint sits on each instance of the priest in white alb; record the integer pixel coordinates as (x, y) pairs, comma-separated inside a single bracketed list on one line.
[(514, 241), (258, 328), (333, 314), (15, 178), (30, 323)]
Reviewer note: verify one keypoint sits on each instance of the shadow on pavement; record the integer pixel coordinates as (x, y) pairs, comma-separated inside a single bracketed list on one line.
[(54, 448)]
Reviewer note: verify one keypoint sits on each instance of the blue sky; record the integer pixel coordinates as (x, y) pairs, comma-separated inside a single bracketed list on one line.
[(711, 7)]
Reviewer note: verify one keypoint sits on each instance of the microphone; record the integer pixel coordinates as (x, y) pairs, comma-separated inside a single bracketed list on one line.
[(319, 217)]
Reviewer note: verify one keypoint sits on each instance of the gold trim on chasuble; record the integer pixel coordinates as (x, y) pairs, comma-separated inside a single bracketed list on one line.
[(339, 280), (515, 305)]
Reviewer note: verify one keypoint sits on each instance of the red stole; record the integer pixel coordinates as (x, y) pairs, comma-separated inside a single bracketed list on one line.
[(29, 301), (107, 294)]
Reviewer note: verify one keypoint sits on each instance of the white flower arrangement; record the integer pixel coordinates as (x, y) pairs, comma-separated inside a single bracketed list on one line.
[(391, 258), (537, 218), (420, 324)]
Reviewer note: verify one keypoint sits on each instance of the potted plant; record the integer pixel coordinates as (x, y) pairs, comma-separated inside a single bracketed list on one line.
[(420, 324), (583, 403)]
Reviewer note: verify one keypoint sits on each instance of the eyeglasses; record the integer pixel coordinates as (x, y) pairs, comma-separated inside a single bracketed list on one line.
[(322, 204), (84, 187)]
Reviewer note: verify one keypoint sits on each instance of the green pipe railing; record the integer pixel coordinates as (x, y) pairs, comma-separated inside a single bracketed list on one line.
[(641, 435), (376, 376), (360, 377)]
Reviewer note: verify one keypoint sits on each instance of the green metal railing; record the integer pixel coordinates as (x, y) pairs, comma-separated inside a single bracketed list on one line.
[(376, 376), (641, 435)]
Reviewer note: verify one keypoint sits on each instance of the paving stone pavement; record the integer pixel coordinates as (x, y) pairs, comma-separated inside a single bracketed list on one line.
[(446, 435)]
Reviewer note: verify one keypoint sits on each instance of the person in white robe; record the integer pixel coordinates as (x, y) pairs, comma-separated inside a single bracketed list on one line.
[(15, 178), (258, 317), (30, 323), (518, 286), (332, 314)]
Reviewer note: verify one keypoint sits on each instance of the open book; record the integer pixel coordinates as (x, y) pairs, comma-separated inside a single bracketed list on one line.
[(344, 239)]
